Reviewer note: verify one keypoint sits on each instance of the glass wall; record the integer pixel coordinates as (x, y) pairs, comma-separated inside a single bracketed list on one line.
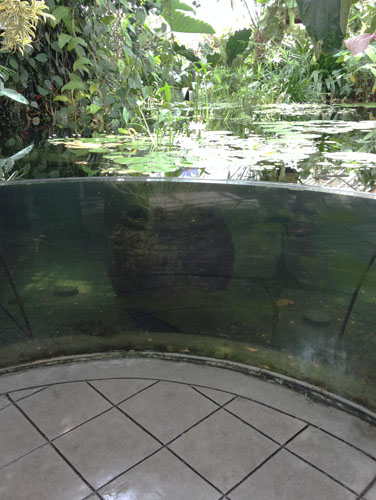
[(274, 276)]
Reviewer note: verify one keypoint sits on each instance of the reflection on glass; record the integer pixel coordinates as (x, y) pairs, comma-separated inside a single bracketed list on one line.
[(282, 278)]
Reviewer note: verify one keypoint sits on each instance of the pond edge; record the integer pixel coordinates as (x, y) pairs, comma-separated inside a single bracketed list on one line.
[(311, 391)]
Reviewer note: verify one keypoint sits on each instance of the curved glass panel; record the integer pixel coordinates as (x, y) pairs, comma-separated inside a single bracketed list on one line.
[(274, 276)]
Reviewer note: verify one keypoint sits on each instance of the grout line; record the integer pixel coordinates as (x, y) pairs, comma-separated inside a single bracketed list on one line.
[(131, 418), (220, 407), (6, 406), (226, 392), (252, 427), (194, 470), (372, 457), (165, 445), (115, 405), (322, 471), (54, 447), (194, 387), (366, 489), (205, 395), (37, 391), (51, 440), (239, 418), (281, 447), (254, 470), (23, 456), (127, 470)]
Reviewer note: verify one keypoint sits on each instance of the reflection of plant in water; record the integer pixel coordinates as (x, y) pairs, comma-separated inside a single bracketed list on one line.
[(27, 328), (7, 165)]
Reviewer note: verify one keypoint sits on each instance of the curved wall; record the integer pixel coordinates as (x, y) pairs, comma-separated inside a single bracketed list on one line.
[(275, 276)]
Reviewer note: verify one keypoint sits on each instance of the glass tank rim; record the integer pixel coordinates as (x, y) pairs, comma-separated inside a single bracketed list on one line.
[(177, 180)]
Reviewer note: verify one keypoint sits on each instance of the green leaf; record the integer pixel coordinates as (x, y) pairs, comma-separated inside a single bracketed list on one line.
[(177, 4), (58, 80), (237, 43), (63, 40), (59, 13), (93, 108), (74, 85), (12, 94), (42, 90), (185, 24), (42, 57), (32, 63), (13, 63), (125, 115), (325, 21), (62, 98), (75, 42), (89, 171), (81, 63)]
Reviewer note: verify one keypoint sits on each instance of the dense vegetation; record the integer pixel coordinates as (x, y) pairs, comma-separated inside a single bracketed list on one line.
[(109, 65)]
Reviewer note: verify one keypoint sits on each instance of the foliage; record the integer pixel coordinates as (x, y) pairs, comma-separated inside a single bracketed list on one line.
[(325, 21), (237, 44), (12, 94), (278, 17), (173, 12), (100, 67), (18, 20)]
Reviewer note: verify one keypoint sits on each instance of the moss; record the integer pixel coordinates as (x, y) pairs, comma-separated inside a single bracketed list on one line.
[(360, 391)]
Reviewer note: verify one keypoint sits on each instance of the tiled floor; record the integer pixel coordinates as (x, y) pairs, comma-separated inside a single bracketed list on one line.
[(144, 429)]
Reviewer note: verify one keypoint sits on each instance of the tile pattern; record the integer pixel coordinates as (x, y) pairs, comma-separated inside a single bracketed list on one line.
[(371, 492), (156, 439)]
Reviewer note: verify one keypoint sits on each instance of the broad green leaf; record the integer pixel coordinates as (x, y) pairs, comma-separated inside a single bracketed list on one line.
[(12, 94), (74, 42), (13, 63), (42, 90), (177, 4), (62, 98), (125, 115), (93, 108), (81, 63), (59, 13), (325, 21), (58, 80), (74, 85), (63, 39), (42, 57), (89, 171), (185, 24)]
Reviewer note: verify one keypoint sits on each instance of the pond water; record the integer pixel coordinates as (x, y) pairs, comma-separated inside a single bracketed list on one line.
[(315, 145)]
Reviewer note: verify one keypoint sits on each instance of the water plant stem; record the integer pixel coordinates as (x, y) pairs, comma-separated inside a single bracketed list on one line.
[(18, 299), (354, 297)]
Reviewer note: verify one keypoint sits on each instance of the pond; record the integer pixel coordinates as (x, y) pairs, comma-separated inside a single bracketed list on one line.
[(314, 145)]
